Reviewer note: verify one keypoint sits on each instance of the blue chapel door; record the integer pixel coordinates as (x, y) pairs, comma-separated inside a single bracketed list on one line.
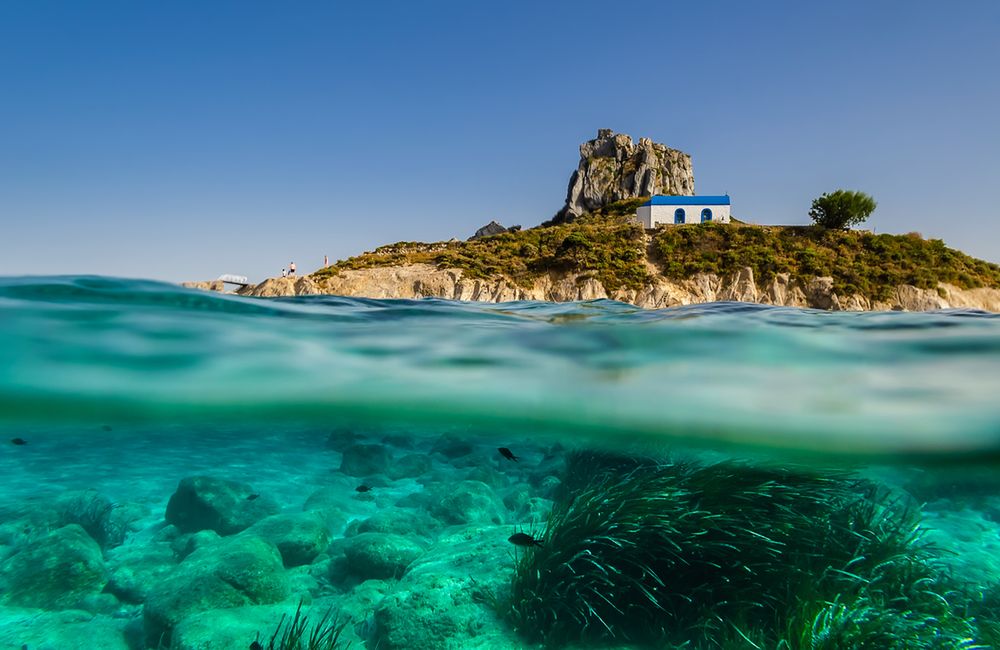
[(679, 215), (706, 215)]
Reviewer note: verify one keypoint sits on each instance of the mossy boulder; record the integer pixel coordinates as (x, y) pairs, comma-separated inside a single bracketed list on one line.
[(227, 629), (451, 446), (233, 572), (438, 604), (380, 555), (136, 568), (236, 628), (208, 503), (466, 502), (364, 460), (185, 545), (59, 571), (397, 521), (299, 536), (63, 630), (409, 466)]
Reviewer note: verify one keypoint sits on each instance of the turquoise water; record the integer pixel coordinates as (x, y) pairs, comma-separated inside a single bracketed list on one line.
[(183, 468)]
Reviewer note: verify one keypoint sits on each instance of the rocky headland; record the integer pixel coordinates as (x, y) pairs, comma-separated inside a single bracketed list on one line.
[(428, 281), (593, 249)]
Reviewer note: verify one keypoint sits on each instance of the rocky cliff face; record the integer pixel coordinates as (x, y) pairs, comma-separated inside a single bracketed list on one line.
[(426, 281), (208, 285), (613, 167)]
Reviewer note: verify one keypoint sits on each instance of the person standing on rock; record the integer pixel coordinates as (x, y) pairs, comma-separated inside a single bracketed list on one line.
[(326, 261), (291, 268), (284, 273)]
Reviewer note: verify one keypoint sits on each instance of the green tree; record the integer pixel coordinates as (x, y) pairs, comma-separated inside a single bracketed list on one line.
[(842, 209)]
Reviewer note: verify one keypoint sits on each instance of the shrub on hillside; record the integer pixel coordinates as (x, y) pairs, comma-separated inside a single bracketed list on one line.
[(842, 209)]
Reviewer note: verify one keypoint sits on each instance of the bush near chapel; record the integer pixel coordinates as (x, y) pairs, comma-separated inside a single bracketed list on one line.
[(842, 209)]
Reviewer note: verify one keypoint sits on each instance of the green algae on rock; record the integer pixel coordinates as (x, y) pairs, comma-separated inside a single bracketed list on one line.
[(209, 503), (57, 571), (230, 572)]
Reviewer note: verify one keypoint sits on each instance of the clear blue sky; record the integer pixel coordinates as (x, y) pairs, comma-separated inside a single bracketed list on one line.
[(181, 140)]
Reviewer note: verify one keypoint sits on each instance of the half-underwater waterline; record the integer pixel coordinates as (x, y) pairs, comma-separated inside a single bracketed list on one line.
[(189, 470)]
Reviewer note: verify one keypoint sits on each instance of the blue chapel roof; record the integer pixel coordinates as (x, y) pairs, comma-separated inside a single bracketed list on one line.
[(661, 199)]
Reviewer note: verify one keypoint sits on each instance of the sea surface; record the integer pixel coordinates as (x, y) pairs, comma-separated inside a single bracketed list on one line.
[(190, 470)]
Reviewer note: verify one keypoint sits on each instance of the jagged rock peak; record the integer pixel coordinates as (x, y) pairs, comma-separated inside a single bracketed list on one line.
[(613, 167), (492, 228)]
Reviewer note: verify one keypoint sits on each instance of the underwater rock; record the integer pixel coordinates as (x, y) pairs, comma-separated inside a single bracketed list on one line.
[(307, 580), (204, 502), (469, 551), (235, 628), (403, 440), (489, 476), (185, 545), (15, 533), (550, 486), (108, 605), (438, 605), (397, 521), (451, 446), (434, 614), (341, 438), (363, 460), (233, 572), (65, 630), (971, 536), (409, 466), (226, 629), (464, 503), (332, 503), (56, 572), (166, 533), (299, 536), (517, 498), (135, 568), (363, 597), (380, 555)]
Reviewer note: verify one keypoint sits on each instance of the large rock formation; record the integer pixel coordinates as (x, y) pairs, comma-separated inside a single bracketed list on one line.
[(490, 229), (208, 285), (613, 167), (428, 281)]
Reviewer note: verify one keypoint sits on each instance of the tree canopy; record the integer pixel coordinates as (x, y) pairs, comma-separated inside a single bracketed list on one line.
[(842, 209)]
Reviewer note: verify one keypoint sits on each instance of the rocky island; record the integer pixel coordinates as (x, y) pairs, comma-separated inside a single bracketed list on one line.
[(593, 248)]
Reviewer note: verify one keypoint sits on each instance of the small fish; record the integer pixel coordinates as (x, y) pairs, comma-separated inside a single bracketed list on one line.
[(363, 488), (507, 453), (523, 539), (251, 497), (18, 441)]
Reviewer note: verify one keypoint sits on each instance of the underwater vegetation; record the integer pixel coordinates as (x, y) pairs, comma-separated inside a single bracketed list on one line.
[(729, 555), (324, 634), (95, 514)]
